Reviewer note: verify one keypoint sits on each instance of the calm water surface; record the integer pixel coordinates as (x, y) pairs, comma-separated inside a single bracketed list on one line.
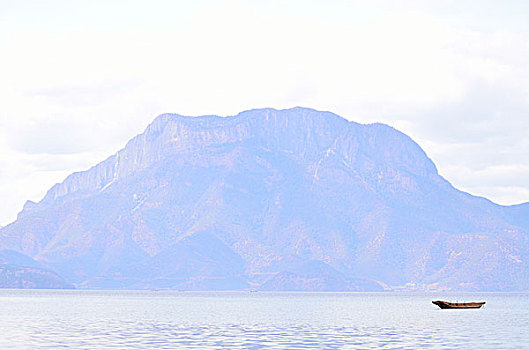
[(96, 319)]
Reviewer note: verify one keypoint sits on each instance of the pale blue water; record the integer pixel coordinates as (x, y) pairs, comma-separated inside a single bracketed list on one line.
[(95, 319)]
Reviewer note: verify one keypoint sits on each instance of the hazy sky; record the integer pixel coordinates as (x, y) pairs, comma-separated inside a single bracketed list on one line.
[(80, 78)]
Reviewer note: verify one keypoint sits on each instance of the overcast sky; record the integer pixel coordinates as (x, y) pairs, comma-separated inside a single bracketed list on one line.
[(80, 78)]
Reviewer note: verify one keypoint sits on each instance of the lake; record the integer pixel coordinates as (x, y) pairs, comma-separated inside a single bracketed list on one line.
[(168, 320)]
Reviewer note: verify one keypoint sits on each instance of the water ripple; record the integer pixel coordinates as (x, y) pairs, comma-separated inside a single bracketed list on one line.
[(139, 320)]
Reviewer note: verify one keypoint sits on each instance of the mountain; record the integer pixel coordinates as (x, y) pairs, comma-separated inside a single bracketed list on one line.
[(317, 276), (20, 271), (270, 199)]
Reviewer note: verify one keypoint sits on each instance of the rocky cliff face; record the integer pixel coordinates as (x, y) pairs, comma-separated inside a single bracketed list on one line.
[(293, 199)]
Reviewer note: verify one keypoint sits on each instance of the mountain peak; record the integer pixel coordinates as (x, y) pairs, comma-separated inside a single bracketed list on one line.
[(302, 131)]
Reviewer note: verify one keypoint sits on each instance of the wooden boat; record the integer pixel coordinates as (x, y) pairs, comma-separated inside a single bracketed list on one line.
[(448, 305)]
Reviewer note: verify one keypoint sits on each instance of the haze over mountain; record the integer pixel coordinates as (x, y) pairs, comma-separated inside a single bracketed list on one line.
[(276, 200)]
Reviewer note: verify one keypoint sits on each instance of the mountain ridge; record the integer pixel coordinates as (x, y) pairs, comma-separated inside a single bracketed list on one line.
[(161, 121)]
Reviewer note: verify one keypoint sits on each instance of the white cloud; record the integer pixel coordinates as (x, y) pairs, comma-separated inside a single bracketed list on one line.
[(80, 79)]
